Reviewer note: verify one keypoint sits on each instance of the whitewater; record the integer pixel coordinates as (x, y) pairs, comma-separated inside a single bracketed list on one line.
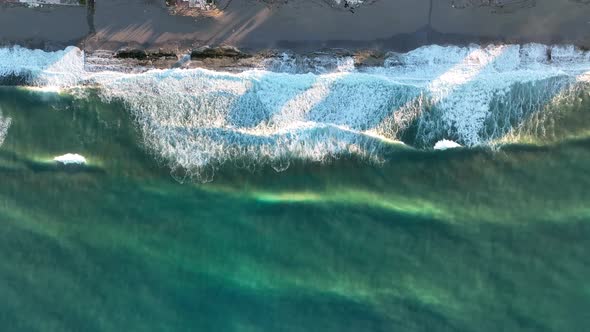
[(4, 124), (197, 120)]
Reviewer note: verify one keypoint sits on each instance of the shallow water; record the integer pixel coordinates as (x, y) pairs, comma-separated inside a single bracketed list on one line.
[(456, 240)]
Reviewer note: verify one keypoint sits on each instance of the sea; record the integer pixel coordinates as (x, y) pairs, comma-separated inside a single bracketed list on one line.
[(446, 190)]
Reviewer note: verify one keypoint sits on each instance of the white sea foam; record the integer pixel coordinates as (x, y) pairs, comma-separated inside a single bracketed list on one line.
[(4, 125), (317, 64), (585, 77), (446, 144), (199, 119), (57, 69), (70, 158)]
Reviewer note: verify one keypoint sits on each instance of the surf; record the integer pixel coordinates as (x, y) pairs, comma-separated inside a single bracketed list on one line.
[(322, 108)]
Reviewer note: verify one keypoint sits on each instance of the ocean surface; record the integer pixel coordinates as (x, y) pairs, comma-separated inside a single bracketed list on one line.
[(304, 195)]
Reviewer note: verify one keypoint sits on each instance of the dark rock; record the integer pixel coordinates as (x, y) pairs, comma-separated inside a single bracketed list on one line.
[(131, 53), (369, 58), (206, 52), (161, 53)]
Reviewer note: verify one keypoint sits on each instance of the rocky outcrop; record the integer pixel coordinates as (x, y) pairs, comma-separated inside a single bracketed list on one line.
[(142, 54), (131, 53), (207, 52)]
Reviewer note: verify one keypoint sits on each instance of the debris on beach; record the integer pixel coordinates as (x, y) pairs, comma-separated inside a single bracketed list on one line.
[(200, 4), (350, 5), (197, 7)]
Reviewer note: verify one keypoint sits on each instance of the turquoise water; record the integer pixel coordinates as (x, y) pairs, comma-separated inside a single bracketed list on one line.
[(458, 240)]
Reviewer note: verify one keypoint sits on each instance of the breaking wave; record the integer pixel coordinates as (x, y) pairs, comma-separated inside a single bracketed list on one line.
[(198, 119)]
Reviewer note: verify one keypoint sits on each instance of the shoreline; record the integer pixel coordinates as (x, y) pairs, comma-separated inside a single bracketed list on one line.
[(138, 33), (233, 60)]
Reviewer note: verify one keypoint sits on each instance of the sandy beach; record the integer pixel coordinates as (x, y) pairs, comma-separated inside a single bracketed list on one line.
[(302, 25)]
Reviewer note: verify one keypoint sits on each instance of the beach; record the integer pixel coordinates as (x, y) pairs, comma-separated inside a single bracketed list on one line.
[(295, 25)]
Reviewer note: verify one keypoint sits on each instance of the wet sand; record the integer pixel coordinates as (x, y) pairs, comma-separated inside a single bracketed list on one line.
[(300, 25)]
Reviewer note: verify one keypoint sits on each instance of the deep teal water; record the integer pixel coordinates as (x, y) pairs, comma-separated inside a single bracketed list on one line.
[(460, 240)]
